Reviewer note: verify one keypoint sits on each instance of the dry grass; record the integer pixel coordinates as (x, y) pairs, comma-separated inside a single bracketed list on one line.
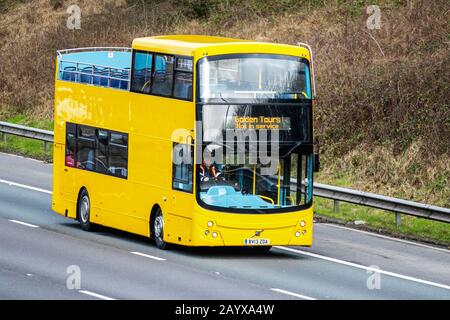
[(404, 176), (383, 114)]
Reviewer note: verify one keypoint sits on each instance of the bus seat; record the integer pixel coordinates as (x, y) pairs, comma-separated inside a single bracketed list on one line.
[(104, 79), (69, 75), (96, 79), (124, 82), (85, 76), (115, 83)]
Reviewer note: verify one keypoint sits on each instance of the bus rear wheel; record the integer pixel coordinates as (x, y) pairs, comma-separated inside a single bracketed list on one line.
[(84, 211), (158, 230)]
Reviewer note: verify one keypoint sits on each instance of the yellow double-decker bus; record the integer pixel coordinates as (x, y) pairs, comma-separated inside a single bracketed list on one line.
[(187, 139)]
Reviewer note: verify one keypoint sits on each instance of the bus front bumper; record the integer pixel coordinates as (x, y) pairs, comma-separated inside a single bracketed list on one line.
[(243, 230)]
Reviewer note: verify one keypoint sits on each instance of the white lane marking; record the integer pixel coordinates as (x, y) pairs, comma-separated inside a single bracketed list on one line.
[(387, 237), (15, 184), (96, 295), (359, 266), (292, 294), (24, 223), (147, 256)]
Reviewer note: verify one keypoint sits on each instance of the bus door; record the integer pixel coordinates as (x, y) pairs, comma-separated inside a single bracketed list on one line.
[(181, 205), (67, 177)]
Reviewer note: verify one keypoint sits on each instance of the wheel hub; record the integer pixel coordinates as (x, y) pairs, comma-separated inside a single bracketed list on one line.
[(84, 209), (159, 226)]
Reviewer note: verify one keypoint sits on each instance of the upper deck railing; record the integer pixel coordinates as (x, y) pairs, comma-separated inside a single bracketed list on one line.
[(73, 68)]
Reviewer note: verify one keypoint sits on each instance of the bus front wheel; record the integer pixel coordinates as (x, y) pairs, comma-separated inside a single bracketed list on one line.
[(84, 210), (158, 230)]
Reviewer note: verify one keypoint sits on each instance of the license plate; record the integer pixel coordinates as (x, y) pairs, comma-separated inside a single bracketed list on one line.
[(256, 242)]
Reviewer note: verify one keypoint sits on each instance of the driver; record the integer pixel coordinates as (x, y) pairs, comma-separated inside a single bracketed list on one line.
[(208, 170)]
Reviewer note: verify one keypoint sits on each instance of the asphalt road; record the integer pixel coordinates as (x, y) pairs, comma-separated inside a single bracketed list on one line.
[(42, 252)]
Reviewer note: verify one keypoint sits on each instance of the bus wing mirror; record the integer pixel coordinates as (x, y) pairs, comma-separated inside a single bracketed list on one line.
[(316, 162)]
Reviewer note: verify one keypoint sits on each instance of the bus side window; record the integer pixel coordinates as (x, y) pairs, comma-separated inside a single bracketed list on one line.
[(118, 155), (183, 85), (71, 132), (163, 75), (86, 148), (183, 157), (141, 73), (183, 78), (101, 151)]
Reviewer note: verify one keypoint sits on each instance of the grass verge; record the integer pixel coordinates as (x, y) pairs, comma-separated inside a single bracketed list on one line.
[(24, 146), (381, 221), (376, 220)]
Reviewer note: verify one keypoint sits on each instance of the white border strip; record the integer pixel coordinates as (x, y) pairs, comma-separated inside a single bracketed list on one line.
[(147, 256), (14, 184), (359, 266), (24, 223), (292, 294), (96, 295)]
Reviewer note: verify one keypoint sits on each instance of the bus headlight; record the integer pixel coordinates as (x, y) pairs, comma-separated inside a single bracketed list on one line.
[(210, 224), (297, 234), (206, 232), (214, 234), (302, 223)]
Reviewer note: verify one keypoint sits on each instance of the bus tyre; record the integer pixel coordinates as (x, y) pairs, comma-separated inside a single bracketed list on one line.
[(84, 211), (158, 230)]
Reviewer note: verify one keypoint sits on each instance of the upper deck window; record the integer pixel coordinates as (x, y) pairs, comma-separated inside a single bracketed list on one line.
[(162, 75), (104, 67), (142, 72), (254, 76), (183, 78)]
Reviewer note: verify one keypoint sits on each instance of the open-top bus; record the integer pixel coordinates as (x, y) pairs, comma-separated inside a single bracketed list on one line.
[(186, 139)]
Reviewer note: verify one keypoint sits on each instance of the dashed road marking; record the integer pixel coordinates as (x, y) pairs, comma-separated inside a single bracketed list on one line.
[(24, 223), (293, 294), (96, 295), (147, 256)]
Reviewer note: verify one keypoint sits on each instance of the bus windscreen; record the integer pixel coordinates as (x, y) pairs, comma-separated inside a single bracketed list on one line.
[(254, 77)]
